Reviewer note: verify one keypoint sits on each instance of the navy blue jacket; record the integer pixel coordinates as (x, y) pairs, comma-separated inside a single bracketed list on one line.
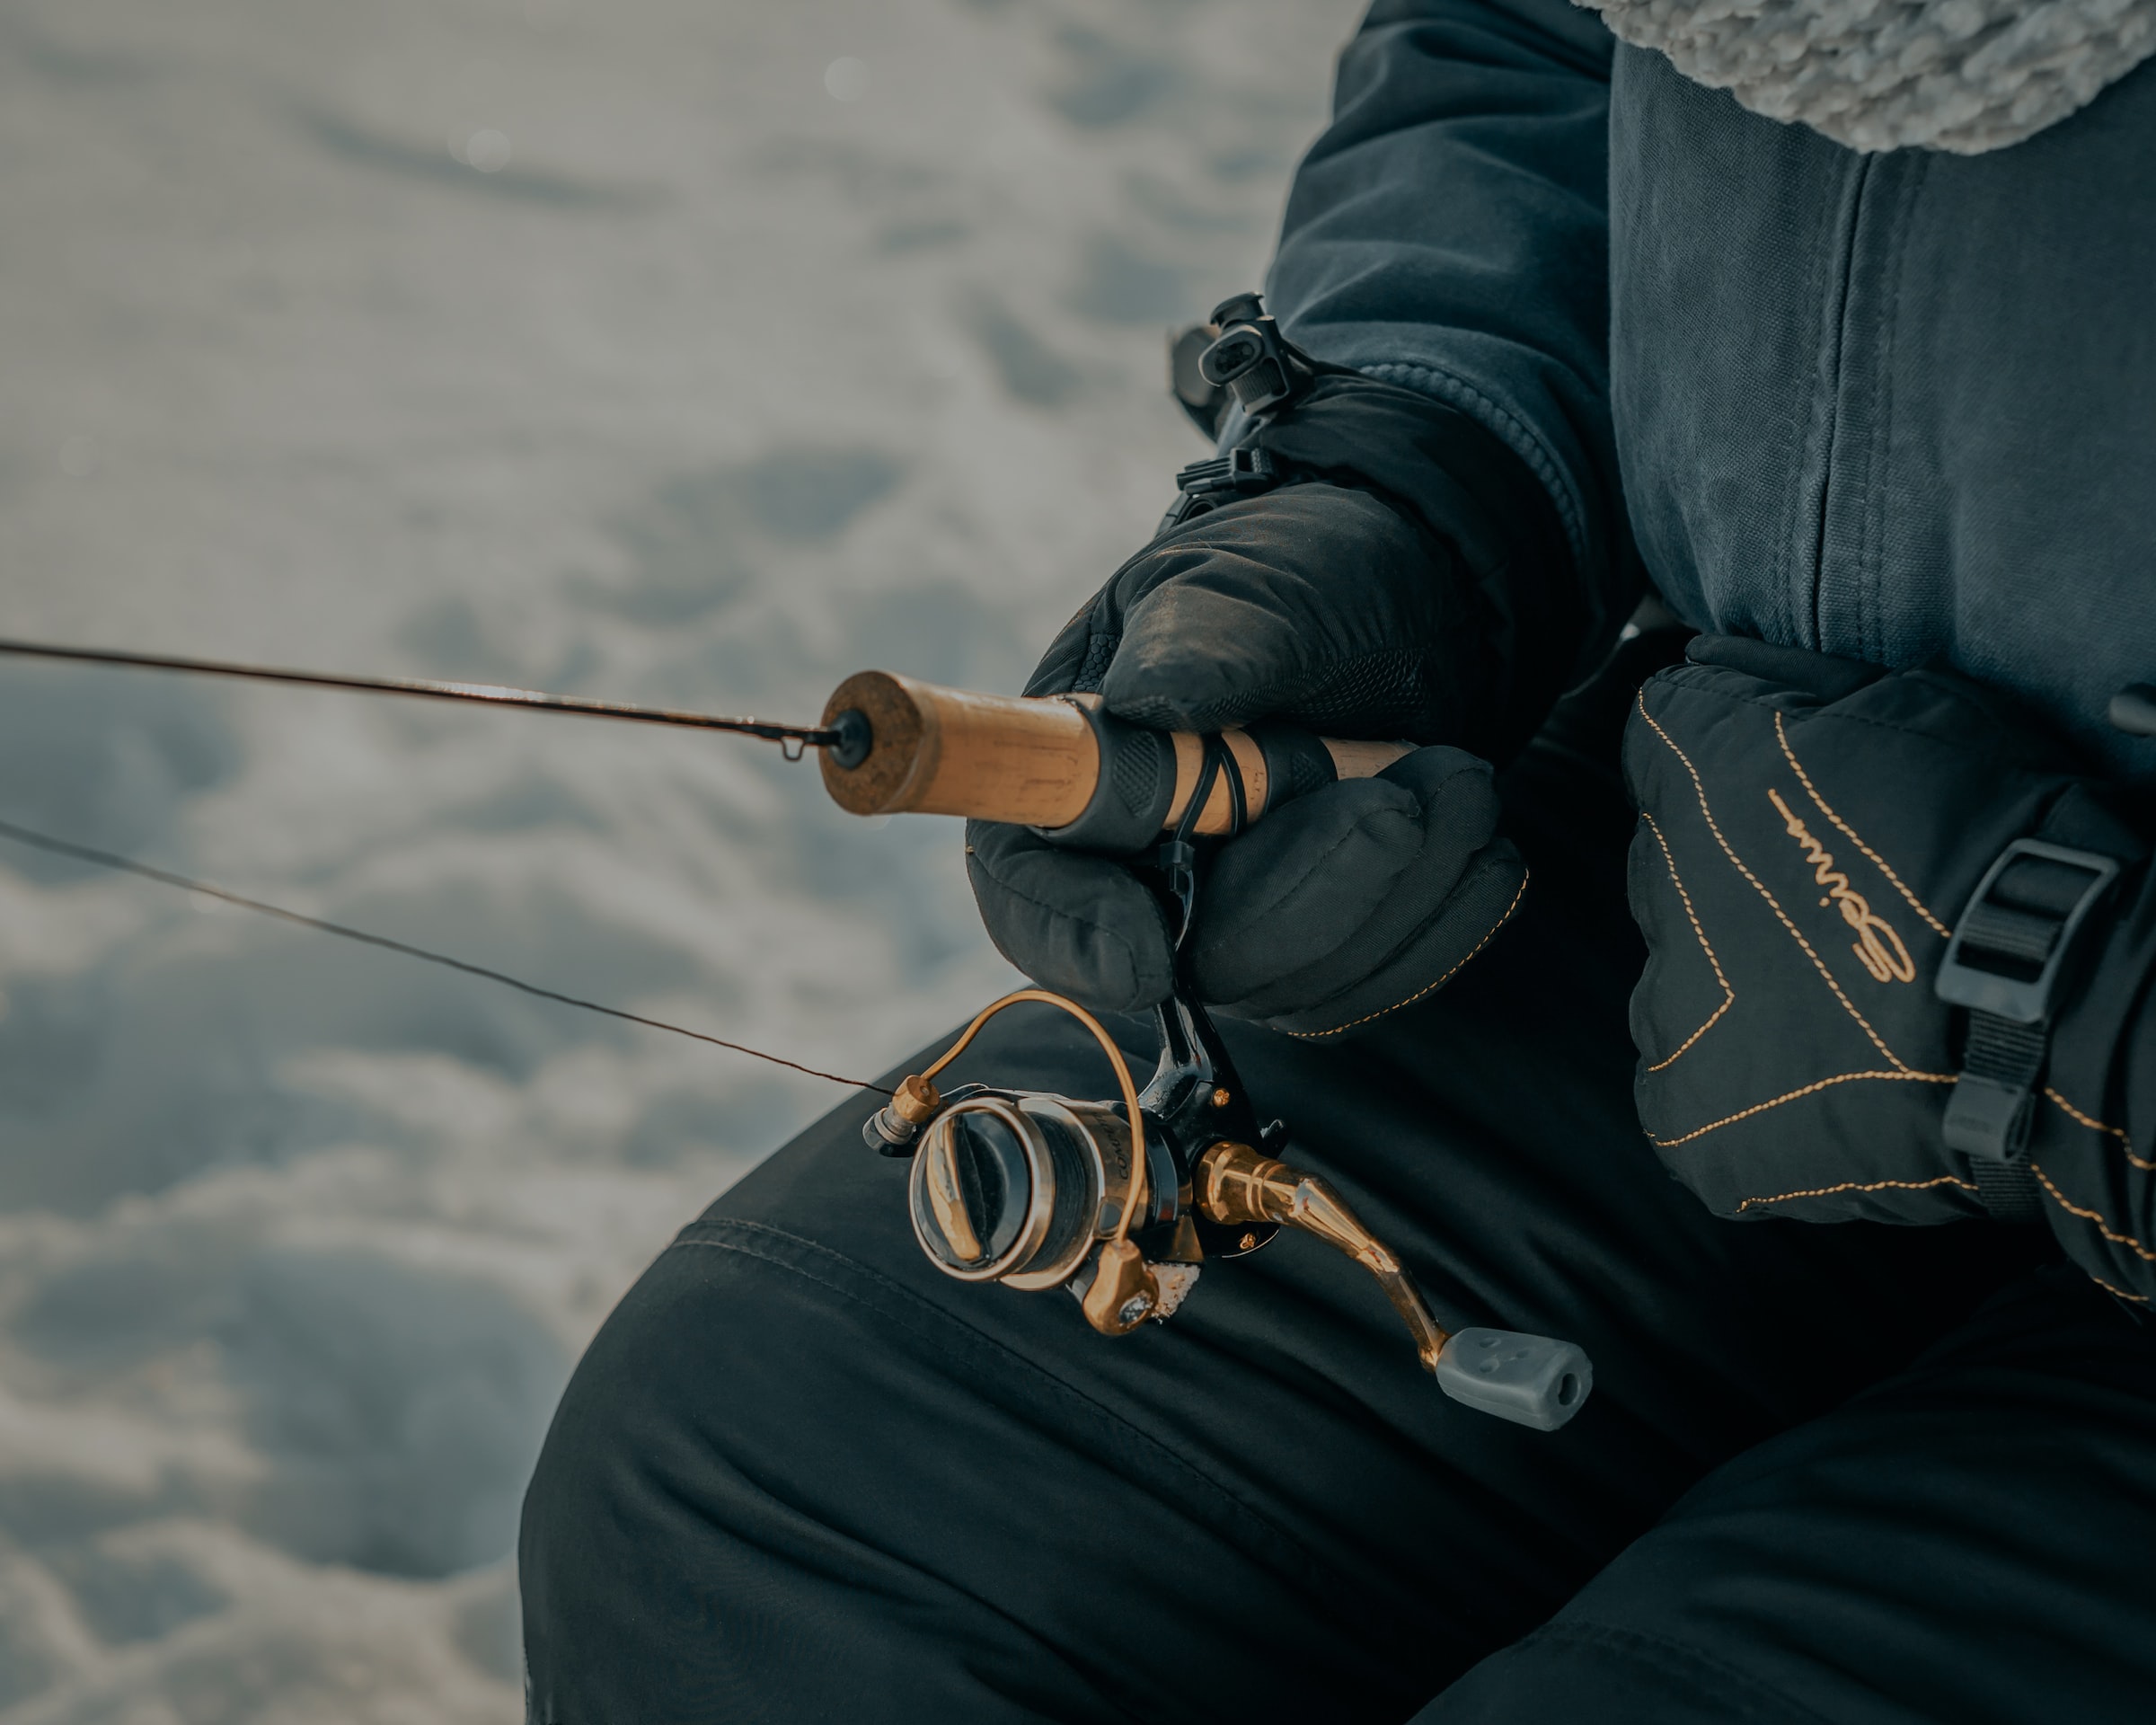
[(1888, 407)]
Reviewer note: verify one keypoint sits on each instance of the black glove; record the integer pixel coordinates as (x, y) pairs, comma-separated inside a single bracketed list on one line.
[(1812, 833), (1407, 581)]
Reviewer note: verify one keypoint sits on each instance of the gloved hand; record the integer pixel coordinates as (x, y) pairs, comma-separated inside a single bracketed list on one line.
[(1338, 602), (1812, 831)]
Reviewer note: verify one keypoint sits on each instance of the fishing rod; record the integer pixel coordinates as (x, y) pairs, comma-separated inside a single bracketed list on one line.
[(792, 737), (891, 745), (1120, 1202)]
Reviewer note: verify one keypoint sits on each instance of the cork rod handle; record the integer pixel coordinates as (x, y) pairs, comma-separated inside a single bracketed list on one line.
[(1033, 762)]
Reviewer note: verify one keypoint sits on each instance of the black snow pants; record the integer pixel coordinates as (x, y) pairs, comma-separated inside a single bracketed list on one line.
[(1844, 1473)]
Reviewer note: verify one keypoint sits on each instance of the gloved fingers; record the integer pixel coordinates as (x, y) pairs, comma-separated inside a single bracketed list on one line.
[(1301, 882), (1343, 887), (1388, 970), (1336, 907), (1789, 668), (1451, 785), (1083, 926), (1081, 650), (1317, 604)]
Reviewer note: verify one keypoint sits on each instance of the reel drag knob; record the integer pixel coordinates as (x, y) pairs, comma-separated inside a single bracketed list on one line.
[(1016, 1188), (971, 1193)]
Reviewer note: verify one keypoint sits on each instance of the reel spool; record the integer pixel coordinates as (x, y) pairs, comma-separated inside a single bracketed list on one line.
[(1017, 1187)]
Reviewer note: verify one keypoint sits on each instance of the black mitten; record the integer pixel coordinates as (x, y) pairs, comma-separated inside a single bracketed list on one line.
[(1812, 834), (1332, 912), (1336, 602)]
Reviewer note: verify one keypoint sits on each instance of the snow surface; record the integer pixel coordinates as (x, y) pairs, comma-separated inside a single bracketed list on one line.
[(691, 351)]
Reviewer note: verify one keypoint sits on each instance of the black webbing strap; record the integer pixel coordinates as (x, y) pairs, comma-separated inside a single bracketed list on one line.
[(2004, 964), (1177, 857), (1993, 1093)]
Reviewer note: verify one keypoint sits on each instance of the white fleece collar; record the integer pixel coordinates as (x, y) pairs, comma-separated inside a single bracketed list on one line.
[(1965, 76)]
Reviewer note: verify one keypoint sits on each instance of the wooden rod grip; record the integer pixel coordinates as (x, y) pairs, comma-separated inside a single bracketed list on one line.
[(937, 751), (1037, 762)]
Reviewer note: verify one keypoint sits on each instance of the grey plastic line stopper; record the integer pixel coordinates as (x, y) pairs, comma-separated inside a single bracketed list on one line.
[(1533, 1381)]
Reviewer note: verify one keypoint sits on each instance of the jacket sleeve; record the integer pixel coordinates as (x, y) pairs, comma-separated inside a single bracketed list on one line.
[(1447, 233)]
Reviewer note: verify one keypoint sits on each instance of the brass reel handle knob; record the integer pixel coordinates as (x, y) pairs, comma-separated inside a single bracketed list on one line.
[(1059, 765)]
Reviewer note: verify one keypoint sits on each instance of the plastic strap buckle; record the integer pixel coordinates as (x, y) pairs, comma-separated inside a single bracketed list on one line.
[(1205, 485), (1241, 471), (1238, 353), (1250, 357), (2004, 963), (2011, 942)]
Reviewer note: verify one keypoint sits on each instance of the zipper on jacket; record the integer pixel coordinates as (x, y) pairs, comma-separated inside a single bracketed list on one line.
[(1833, 363)]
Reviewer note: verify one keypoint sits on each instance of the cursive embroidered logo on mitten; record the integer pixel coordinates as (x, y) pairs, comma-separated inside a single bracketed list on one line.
[(1877, 947)]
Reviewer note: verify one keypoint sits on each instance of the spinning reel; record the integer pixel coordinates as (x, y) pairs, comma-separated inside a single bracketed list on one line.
[(1121, 1203)]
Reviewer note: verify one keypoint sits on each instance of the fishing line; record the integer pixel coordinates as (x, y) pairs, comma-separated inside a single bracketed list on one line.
[(128, 865)]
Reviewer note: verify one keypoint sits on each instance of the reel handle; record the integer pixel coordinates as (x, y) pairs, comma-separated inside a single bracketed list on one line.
[(1060, 765), (1536, 1381)]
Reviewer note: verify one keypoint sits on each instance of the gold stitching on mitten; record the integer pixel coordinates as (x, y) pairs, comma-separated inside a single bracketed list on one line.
[(1849, 832), (1864, 1186), (1706, 946)]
